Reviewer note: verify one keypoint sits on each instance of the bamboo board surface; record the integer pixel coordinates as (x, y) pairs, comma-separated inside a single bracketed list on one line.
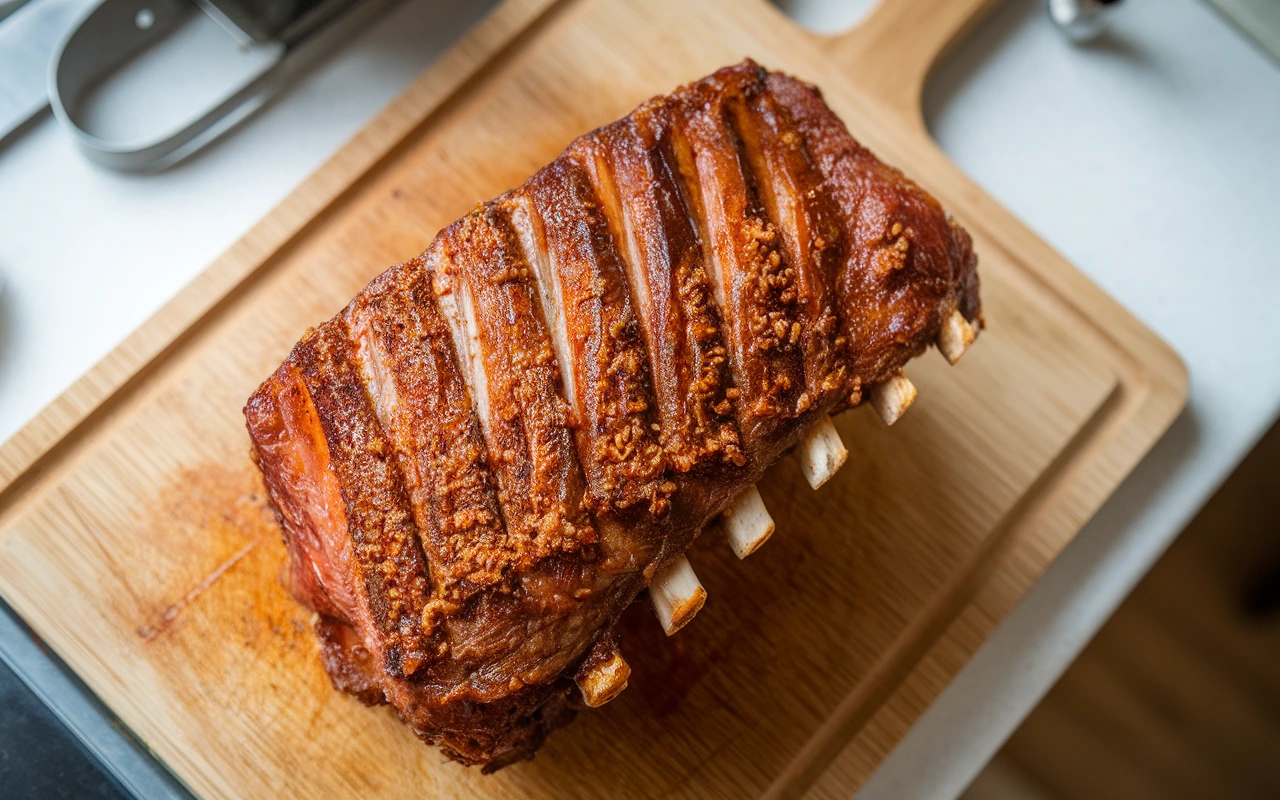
[(135, 540)]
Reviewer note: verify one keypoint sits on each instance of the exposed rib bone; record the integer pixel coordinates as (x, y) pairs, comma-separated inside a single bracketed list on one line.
[(822, 453), (604, 681), (677, 595), (892, 398), (747, 523), (955, 337)]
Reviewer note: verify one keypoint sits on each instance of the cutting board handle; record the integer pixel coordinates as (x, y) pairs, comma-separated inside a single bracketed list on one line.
[(895, 47)]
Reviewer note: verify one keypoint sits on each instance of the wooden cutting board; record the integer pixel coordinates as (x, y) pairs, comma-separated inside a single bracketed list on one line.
[(134, 538)]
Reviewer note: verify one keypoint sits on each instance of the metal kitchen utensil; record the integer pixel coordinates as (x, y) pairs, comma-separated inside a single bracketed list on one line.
[(29, 36), (1081, 20), (7, 7), (287, 36)]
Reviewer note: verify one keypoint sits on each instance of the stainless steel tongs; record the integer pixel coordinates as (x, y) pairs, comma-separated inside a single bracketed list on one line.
[(285, 36)]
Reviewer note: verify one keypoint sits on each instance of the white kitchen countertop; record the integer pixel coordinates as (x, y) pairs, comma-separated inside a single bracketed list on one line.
[(1149, 159)]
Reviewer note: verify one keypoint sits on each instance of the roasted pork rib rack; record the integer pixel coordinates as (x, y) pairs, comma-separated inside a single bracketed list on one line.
[(488, 455)]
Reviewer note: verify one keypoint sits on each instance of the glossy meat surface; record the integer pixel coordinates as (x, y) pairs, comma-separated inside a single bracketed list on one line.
[(484, 458)]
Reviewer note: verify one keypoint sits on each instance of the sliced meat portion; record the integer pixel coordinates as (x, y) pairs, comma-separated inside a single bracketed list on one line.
[(908, 264), (791, 194), (291, 451), (632, 170), (388, 572), (607, 361), (404, 351), (573, 570), (753, 285), (539, 478)]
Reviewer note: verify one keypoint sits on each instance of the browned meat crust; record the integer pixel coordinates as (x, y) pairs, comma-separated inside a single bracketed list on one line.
[(491, 451), (907, 264), (403, 350)]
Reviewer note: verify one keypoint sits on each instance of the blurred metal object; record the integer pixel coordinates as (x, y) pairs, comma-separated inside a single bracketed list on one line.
[(29, 35), (117, 31), (266, 21), (7, 7), (1080, 20)]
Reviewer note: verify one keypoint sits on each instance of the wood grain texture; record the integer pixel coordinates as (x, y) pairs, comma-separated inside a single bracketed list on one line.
[(136, 541)]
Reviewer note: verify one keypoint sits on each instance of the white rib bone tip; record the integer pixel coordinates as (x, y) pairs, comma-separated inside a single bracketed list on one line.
[(604, 681), (822, 452), (747, 523), (677, 595), (955, 337), (892, 398)]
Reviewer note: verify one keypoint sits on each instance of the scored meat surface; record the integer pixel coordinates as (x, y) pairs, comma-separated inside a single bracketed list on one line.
[(485, 457)]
